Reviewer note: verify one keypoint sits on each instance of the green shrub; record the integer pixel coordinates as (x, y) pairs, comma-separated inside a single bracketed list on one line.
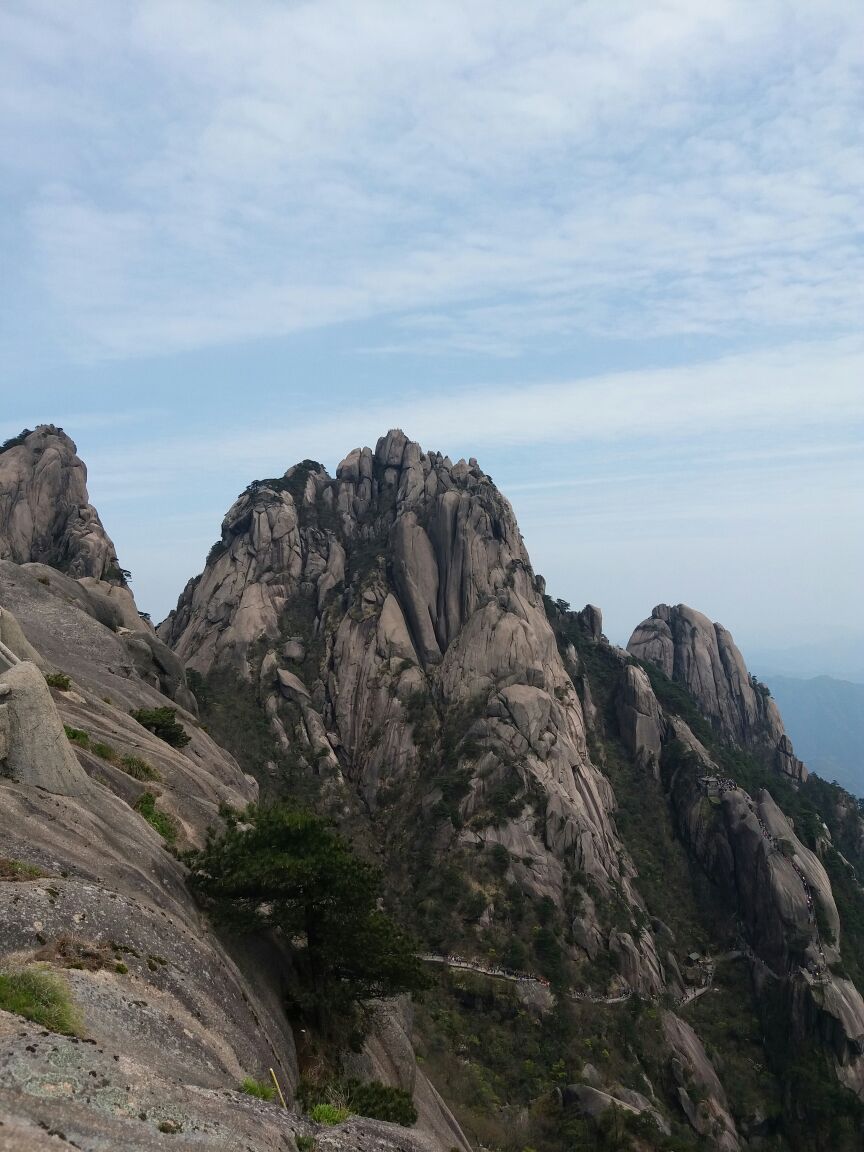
[(104, 751), (58, 680), (39, 996), (19, 870), (162, 722), (120, 968), (305, 1143), (258, 1088), (164, 824), (288, 869), (139, 769), (77, 736), (329, 1114), (14, 441), (381, 1102)]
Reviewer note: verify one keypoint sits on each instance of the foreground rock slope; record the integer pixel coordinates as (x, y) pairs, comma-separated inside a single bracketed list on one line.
[(167, 1020)]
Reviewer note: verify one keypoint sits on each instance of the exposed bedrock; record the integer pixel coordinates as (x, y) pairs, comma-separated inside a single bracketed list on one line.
[(703, 657), (45, 512), (401, 585), (750, 850)]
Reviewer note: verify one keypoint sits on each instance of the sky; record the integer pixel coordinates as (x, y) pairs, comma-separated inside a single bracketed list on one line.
[(613, 249)]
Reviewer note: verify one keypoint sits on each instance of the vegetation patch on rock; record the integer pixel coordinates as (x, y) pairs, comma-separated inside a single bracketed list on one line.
[(41, 997), (162, 722), (164, 824)]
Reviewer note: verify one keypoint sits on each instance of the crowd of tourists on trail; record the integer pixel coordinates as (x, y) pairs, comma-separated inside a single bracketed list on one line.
[(486, 969), (719, 783), (505, 973)]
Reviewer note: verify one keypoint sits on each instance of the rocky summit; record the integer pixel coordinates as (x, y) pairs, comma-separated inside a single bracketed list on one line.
[(702, 656), (605, 904)]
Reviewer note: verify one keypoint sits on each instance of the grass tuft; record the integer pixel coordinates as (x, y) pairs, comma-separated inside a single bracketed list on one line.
[(328, 1114), (20, 870), (41, 997), (77, 736), (258, 1088), (164, 824), (139, 769)]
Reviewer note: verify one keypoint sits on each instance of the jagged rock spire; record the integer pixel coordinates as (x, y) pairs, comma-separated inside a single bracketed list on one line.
[(703, 657), (45, 512)]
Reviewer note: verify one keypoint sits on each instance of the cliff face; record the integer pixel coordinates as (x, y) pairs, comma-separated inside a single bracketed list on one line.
[(380, 642), (702, 656), (169, 1019), (45, 512), (393, 622), (783, 898), (50, 531)]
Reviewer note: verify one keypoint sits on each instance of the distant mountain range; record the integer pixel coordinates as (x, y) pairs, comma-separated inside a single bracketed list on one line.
[(825, 718), (836, 653)]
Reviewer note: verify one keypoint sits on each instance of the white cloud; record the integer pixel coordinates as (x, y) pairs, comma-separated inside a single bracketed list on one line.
[(498, 176), (757, 404)]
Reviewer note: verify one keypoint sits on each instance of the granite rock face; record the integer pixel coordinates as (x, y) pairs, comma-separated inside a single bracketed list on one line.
[(171, 1019), (749, 849), (709, 1116), (402, 588), (783, 896), (49, 529), (703, 657), (45, 512), (640, 719)]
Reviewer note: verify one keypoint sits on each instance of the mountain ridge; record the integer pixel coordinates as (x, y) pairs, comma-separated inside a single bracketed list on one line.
[(378, 644)]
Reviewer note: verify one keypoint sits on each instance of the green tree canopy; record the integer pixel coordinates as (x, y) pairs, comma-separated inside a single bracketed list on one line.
[(287, 870)]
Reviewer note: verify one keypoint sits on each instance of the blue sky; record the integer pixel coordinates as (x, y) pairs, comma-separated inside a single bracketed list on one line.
[(615, 250)]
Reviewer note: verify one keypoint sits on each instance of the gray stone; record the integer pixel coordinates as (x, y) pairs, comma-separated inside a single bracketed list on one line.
[(690, 1064), (640, 719), (590, 1076), (294, 649), (703, 657), (45, 513), (591, 619), (441, 598), (37, 751)]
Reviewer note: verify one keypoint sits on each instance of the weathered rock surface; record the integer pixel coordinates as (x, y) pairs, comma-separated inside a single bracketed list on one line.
[(703, 657), (170, 1023), (750, 850), (34, 747), (402, 580), (94, 1094), (388, 1056), (710, 1117), (73, 627), (45, 512), (640, 720), (589, 1100), (192, 1025)]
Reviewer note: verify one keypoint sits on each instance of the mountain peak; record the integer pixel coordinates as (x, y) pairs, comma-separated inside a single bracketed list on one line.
[(702, 656), (45, 512)]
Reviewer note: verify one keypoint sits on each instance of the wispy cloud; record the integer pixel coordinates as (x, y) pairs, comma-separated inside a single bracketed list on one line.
[(774, 396), (492, 177)]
